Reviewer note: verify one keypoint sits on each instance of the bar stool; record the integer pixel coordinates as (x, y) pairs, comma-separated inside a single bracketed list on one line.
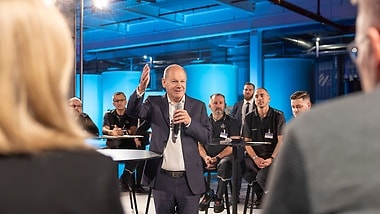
[(148, 201), (249, 197), (226, 199)]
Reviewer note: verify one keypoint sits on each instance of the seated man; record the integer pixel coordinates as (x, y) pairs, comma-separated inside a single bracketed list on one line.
[(82, 118), (116, 122), (218, 156), (262, 124)]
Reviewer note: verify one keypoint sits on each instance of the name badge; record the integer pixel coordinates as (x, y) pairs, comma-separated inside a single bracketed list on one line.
[(268, 135), (223, 134)]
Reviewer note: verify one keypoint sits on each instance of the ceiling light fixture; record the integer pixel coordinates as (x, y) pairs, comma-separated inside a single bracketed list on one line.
[(101, 4)]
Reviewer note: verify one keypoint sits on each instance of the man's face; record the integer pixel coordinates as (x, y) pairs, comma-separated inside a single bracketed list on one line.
[(261, 98), (217, 105), (299, 106), (248, 92), (76, 106), (119, 101), (175, 83)]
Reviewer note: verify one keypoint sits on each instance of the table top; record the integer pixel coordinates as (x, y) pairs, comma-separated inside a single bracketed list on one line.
[(128, 154), (229, 142), (119, 137)]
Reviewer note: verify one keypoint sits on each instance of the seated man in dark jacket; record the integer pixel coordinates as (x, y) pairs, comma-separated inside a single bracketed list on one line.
[(83, 119)]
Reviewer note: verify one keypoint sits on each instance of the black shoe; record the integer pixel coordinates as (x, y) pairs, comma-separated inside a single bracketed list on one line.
[(218, 205), (257, 204), (206, 200)]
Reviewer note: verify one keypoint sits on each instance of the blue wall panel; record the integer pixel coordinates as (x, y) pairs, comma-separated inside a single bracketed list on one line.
[(284, 76), (207, 79)]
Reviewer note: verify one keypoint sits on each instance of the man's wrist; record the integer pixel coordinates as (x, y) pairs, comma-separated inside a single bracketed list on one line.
[(139, 91)]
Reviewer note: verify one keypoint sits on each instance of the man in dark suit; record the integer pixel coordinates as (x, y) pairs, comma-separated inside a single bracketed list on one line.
[(178, 123), (240, 109)]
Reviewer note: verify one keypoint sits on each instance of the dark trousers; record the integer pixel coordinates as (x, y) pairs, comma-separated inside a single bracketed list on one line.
[(256, 176), (140, 169), (129, 168), (173, 195), (224, 174)]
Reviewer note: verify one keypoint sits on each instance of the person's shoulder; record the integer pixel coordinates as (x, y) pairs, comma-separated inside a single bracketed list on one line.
[(193, 100), (84, 115), (277, 111), (238, 103), (230, 118), (156, 97), (109, 111)]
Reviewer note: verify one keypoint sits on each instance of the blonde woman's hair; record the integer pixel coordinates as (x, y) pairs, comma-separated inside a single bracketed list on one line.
[(36, 65)]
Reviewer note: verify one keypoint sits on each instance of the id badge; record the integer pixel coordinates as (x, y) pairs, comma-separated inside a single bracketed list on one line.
[(268, 135), (223, 134)]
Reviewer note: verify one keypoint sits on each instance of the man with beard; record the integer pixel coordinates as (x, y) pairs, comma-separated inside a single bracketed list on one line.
[(218, 157), (240, 109), (244, 106), (264, 124)]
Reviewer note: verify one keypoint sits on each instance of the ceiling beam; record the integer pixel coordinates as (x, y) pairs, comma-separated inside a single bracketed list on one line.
[(246, 5)]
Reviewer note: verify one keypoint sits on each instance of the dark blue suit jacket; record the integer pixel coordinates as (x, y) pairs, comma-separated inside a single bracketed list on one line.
[(155, 109), (236, 112)]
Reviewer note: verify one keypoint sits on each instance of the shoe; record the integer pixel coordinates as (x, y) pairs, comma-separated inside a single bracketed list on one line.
[(206, 200), (257, 204), (218, 205)]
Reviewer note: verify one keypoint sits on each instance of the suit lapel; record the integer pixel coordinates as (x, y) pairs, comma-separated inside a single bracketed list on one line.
[(164, 107)]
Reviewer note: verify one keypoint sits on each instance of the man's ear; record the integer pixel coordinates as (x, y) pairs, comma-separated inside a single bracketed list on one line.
[(374, 37), (163, 82)]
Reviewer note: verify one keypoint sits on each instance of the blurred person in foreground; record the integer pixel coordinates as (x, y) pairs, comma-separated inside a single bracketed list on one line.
[(83, 119), (329, 160), (46, 165), (178, 123), (300, 102)]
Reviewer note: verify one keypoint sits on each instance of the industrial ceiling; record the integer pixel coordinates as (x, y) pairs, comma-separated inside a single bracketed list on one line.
[(117, 37)]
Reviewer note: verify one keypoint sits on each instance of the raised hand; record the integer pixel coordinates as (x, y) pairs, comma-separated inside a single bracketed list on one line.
[(144, 79)]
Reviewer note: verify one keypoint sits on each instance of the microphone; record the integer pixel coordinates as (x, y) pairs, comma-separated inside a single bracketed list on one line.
[(177, 126)]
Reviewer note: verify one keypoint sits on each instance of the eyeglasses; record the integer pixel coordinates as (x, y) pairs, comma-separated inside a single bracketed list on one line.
[(121, 100), (352, 49), (76, 106)]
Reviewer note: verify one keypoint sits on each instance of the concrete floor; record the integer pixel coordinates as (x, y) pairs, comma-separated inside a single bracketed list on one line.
[(142, 199)]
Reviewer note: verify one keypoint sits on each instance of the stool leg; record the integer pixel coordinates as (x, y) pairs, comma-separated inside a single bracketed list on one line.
[(148, 200), (252, 200), (226, 197), (134, 199), (131, 200), (247, 198)]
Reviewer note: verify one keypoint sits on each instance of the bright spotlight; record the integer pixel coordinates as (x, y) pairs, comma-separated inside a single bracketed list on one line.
[(101, 4)]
